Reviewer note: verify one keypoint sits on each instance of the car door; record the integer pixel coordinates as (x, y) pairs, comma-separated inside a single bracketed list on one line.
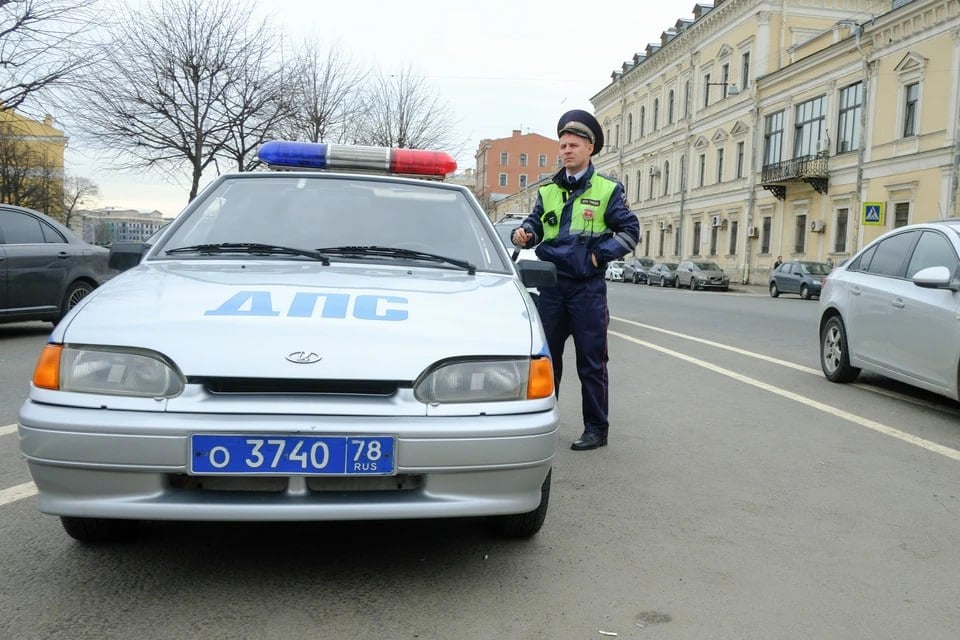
[(788, 278), (38, 260), (684, 271), (872, 293), (3, 276), (924, 321)]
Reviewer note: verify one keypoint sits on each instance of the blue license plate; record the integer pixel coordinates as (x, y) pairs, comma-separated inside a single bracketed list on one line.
[(292, 455)]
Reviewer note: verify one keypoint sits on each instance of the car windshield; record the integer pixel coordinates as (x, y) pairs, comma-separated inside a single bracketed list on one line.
[(707, 266), (304, 213), (671, 266), (816, 268), (617, 264), (646, 262)]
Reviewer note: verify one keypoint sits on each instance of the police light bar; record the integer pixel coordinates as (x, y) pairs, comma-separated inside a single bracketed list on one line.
[(289, 154)]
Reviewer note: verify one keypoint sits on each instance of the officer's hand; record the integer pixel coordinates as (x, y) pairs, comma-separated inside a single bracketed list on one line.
[(521, 237), (593, 259)]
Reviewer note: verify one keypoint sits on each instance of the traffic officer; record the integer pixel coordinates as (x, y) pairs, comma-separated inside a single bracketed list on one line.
[(580, 223)]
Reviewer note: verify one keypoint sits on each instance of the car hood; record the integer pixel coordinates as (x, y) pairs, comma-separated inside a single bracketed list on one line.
[(710, 272), (243, 319)]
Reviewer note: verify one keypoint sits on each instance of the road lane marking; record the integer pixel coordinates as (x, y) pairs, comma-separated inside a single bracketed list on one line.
[(953, 454), (10, 428), (18, 492), (791, 365)]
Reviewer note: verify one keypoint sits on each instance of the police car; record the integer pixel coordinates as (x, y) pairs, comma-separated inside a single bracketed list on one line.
[(303, 345)]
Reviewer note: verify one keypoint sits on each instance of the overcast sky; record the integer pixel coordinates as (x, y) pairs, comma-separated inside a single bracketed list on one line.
[(501, 64)]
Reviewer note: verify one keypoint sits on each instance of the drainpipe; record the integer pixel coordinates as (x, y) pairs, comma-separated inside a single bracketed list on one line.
[(954, 181), (861, 152), (752, 193)]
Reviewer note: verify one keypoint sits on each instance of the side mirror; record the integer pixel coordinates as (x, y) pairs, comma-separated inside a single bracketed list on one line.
[(537, 273), (127, 255), (932, 278)]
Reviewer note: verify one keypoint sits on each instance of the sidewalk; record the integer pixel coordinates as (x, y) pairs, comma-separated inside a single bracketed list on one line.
[(752, 288)]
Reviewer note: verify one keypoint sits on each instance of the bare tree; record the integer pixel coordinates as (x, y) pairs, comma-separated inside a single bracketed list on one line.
[(161, 99), (41, 45), (75, 190), (402, 110), (327, 90)]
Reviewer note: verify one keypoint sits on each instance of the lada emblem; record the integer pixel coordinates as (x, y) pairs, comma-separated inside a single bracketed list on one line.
[(304, 357)]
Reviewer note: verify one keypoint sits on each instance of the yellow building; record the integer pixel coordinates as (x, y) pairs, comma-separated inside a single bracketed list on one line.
[(801, 128), (31, 163)]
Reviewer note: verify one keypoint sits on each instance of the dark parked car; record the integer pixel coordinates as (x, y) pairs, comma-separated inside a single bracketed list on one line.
[(45, 269), (663, 274), (635, 270), (702, 274), (799, 276)]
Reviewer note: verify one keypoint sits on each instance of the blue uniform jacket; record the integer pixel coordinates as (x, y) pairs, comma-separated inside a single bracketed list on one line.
[(571, 253)]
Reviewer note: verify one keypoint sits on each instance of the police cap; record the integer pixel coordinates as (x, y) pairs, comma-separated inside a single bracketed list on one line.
[(583, 124)]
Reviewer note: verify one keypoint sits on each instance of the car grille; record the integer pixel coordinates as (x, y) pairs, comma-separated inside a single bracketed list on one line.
[(262, 386), (271, 484)]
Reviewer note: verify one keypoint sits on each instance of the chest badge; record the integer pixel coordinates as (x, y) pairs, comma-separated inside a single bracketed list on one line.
[(588, 214)]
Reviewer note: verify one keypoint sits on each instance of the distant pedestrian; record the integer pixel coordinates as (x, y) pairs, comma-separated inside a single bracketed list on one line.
[(778, 262)]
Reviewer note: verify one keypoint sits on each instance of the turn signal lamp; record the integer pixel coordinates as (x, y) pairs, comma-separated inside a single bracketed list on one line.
[(47, 373), (288, 154), (540, 382)]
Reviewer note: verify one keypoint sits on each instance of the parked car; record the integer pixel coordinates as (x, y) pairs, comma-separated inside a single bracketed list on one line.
[(893, 310), (219, 377), (663, 274), (702, 274), (45, 269), (635, 270), (614, 271), (799, 276)]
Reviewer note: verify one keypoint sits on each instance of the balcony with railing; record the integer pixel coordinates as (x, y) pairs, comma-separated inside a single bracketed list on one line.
[(810, 169)]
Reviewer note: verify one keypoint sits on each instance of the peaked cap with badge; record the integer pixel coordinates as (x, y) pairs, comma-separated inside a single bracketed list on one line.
[(583, 124)]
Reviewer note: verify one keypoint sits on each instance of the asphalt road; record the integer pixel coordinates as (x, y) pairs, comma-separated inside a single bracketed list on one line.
[(742, 496)]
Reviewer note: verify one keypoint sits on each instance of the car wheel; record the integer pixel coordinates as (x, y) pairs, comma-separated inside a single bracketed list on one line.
[(804, 292), (663, 282), (524, 525), (774, 292), (99, 530), (75, 293), (635, 281), (834, 352)]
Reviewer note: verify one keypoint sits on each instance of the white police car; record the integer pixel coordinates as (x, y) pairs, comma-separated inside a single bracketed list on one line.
[(303, 345)]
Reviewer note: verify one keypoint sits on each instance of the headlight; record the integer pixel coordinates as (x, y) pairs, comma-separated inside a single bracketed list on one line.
[(486, 381), (117, 372)]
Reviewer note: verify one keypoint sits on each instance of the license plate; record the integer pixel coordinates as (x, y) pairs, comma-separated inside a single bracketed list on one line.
[(292, 455)]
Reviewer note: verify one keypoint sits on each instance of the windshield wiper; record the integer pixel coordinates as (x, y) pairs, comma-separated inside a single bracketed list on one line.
[(395, 252), (253, 248)]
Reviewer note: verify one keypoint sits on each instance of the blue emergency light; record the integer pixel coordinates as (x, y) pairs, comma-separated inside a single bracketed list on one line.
[(289, 154)]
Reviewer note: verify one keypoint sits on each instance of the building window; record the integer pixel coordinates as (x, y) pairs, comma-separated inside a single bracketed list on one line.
[(703, 170), (670, 105), (740, 158), (559, 162), (808, 128), (663, 239), (714, 239), (765, 234), (773, 138), (734, 228), (504, 158), (651, 193), (800, 240), (851, 111), (911, 98), (719, 165), (683, 173), (745, 71), (639, 185), (616, 137), (656, 115), (646, 243), (626, 186), (543, 160), (901, 214), (523, 159), (686, 99), (643, 118), (696, 239), (676, 242), (666, 177), (706, 89), (840, 240), (523, 181), (503, 179), (725, 78), (629, 128)]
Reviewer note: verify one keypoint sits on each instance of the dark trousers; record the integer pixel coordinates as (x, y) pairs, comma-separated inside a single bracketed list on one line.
[(579, 308)]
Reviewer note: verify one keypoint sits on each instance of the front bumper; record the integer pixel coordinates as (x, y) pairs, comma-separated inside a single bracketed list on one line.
[(129, 464)]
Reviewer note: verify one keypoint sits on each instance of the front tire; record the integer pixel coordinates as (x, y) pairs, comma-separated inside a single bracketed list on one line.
[(774, 291), (75, 293), (804, 292), (524, 525), (99, 530), (834, 352)]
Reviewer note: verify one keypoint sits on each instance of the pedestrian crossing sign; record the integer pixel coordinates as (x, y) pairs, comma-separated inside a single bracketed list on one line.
[(873, 213)]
